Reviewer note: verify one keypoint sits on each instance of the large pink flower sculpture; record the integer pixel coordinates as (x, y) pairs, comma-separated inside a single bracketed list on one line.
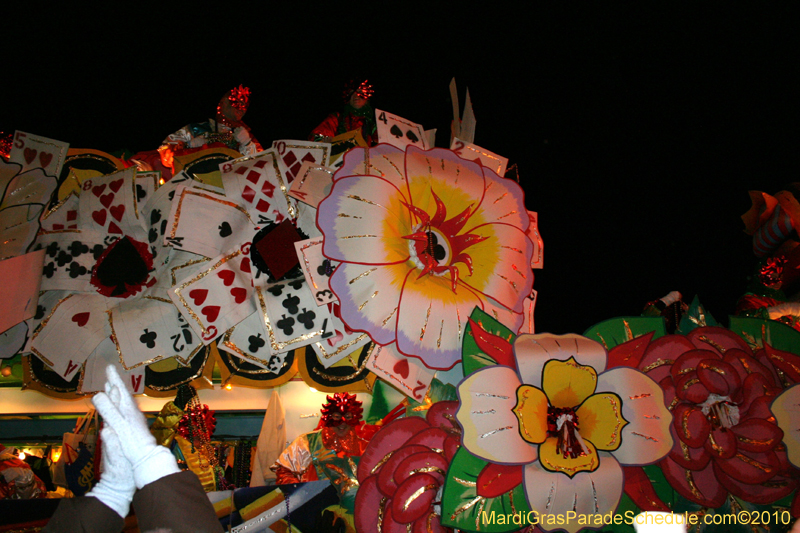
[(567, 419), (719, 393), (423, 237)]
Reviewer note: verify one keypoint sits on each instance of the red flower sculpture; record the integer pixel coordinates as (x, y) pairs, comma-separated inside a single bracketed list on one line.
[(727, 440), (402, 471)]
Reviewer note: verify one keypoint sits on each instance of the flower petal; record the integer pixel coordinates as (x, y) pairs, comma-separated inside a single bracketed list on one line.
[(531, 410), (491, 430), (384, 161), (501, 264), (786, 409), (700, 486), (369, 296), (552, 458), (646, 438), (600, 420), (567, 383), (432, 319), (504, 201), (586, 493), (364, 221), (533, 351)]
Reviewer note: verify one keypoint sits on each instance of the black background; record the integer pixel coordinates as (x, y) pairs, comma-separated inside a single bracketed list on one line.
[(637, 130)]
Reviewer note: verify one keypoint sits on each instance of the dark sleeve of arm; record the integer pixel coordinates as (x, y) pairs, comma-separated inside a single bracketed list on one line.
[(176, 502), (327, 127), (84, 514)]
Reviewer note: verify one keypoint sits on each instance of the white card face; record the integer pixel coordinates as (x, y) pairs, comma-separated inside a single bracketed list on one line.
[(47, 301), (248, 340), (71, 332), (35, 151), (18, 300), (291, 316), (148, 330), (93, 378), (312, 184), (407, 374), (177, 265), (536, 238), (63, 215), (293, 154), (472, 152), (69, 258), (155, 213), (205, 223), (338, 341), (258, 183), (145, 185), (317, 269), (219, 297), (528, 307), (400, 132), (106, 205)]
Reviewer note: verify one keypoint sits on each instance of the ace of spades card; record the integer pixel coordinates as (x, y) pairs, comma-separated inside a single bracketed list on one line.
[(219, 297), (291, 316), (35, 151), (400, 132), (407, 374), (74, 328), (312, 184), (258, 183), (149, 330), (94, 370), (106, 205), (205, 223), (317, 269), (293, 154)]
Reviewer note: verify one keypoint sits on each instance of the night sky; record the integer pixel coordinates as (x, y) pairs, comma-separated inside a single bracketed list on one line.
[(637, 132)]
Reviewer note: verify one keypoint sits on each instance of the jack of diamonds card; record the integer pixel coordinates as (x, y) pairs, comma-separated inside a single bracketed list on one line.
[(149, 330), (219, 297), (74, 328), (407, 374), (205, 223), (259, 184), (291, 316), (293, 154), (35, 151), (400, 132)]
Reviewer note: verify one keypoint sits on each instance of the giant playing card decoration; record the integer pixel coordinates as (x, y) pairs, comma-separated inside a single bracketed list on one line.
[(423, 238)]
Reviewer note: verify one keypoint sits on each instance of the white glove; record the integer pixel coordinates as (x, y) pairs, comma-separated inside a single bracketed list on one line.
[(117, 407), (197, 142), (242, 135), (116, 485)]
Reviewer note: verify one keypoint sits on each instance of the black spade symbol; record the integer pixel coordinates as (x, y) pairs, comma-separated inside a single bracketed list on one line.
[(225, 229), (123, 265), (397, 132), (411, 137)]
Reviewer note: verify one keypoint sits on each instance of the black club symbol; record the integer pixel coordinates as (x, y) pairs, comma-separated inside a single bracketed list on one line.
[(307, 318), (292, 304), (286, 324)]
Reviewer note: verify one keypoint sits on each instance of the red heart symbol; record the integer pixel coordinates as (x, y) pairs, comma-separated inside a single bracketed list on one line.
[(30, 155), (81, 319), (226, 276), (248, 194), (198, 296), (115, 185), (244, 266), (401, 368), (113, 228), (99, 216), (45, 158), (98, 190), (239, 294), (117, 211), (106, 199), (211, 312)]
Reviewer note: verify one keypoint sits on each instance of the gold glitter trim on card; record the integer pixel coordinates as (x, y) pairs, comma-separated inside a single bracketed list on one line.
[(202, 194), (358, 369), (228, 343), (201, 275), (57, 206), (173, 386), (327, 355), (306, 263), (174, 269), (42, 324), (26, 361)]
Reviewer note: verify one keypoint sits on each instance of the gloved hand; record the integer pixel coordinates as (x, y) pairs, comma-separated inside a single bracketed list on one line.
[(116, 485), (242, 135), (120, 412), (197, 142)]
